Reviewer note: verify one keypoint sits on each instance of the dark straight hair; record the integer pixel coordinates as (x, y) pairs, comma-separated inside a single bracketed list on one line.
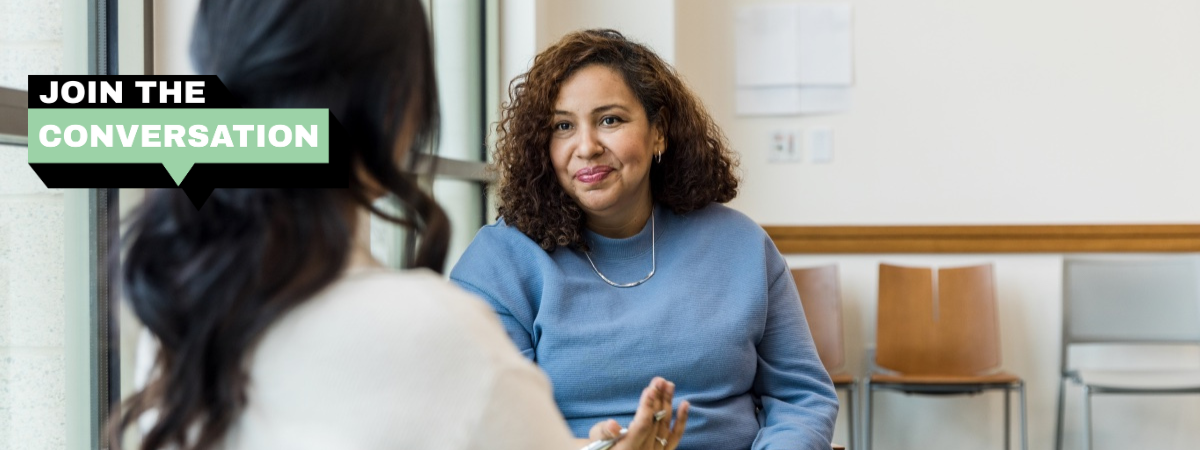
[(208, 282)]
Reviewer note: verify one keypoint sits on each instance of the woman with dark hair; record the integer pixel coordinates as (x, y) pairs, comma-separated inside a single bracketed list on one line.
[(614, 259), (276, 327)]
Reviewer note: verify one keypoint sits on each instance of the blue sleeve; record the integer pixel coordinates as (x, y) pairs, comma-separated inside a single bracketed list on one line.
[(799, 404), (518, 331), (487, 269)]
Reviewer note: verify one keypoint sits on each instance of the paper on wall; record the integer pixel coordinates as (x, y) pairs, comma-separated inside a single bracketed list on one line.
[(793, 58), (824, 44), (786, 100), (764, 33)]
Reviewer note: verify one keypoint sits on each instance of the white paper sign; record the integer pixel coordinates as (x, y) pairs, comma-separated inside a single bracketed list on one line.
[(824, 44), (766, 44), (790, 100), (793, 58)]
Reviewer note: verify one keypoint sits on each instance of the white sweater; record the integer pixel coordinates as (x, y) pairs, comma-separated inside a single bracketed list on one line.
[(394, 360)]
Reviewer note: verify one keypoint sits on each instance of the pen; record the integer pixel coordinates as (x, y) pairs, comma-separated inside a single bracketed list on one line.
[(606, 443)]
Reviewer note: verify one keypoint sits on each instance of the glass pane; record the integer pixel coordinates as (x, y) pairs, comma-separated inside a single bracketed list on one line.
[(463, 201), (457, 39), (387, 239), (457, 31), (131, 330), (456, 42)]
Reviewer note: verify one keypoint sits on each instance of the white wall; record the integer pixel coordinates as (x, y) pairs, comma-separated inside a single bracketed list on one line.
[(530, 26), (1025, 111), (1017, 112), (33, 367), (649, 22), (33, 373)]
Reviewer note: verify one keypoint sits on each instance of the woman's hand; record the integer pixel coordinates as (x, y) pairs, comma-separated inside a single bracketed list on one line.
[(646, 432)]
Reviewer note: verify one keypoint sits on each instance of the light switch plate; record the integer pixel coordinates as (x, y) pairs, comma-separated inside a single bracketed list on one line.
[(819, 142)]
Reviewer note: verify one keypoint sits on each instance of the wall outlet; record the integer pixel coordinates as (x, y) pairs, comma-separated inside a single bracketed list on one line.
[(785, 146)]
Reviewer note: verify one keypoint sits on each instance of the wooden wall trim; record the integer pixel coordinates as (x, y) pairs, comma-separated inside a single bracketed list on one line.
[(14, 117), (986, 238)]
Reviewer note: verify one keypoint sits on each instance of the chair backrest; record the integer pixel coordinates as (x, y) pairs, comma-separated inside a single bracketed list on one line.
[(1131, 300), (951, 330), (821, 295)]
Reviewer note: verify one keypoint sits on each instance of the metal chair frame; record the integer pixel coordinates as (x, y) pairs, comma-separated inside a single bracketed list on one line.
[(849, 388), (966, 389)]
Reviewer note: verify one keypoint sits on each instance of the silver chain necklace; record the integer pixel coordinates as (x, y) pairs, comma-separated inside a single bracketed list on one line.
[(635, 283)]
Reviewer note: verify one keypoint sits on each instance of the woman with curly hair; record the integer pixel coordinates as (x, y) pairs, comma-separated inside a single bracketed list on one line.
[(614, 259)]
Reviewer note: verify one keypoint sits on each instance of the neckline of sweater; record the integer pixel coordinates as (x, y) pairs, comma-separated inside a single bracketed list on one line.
[(607, 248)]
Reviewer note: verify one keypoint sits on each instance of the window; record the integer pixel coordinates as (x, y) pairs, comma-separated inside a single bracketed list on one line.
[(58, 371), (65, 355), (465, 57), (54, 357)]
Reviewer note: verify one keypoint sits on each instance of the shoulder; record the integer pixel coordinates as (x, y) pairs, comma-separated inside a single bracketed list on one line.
[(396, 344), (500, 252), (724, 214), (717, 228), (723, 220), (386, 321), (501, 234), (380, 305)]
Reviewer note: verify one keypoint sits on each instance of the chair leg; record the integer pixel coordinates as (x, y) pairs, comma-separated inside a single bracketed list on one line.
[(868, 423), (1087, 418), (850, 413), (1058, 430), (1024, 429), (1008, 418)]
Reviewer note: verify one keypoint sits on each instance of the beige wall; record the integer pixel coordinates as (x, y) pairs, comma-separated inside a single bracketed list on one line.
[(649, 22)]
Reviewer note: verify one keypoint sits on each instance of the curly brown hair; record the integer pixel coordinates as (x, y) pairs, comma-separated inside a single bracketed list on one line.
[(697, 169)]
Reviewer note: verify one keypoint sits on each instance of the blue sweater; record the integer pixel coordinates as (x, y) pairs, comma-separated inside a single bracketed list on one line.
[(721, 318)]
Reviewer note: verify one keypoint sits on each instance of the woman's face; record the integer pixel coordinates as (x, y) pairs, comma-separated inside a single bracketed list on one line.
[(602, 143)]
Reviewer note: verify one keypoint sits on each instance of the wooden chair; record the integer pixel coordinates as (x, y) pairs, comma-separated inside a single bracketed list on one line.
[(943, 340), (821, 295)]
